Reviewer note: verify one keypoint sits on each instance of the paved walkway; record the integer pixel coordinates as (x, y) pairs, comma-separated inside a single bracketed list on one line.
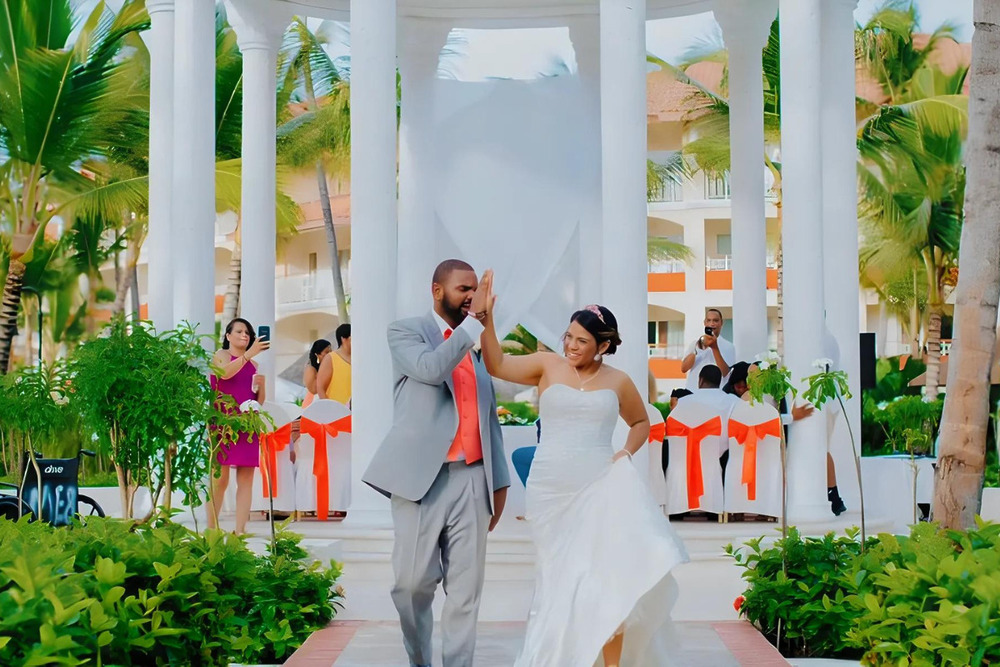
[(378, 644)]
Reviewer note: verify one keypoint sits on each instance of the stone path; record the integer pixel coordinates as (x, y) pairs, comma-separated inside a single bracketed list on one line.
[(378, 644)]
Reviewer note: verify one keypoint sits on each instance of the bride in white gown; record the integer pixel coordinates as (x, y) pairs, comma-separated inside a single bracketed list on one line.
[(603, 588)]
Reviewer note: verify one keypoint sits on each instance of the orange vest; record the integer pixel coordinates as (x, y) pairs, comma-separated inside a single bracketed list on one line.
[(468, 443)]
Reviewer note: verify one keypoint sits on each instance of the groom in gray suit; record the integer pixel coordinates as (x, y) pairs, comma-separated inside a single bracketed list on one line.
[(442, 465)]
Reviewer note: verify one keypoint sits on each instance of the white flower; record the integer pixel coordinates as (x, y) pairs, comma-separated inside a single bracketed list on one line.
[(823, 364), (250, 405), (764, 365)]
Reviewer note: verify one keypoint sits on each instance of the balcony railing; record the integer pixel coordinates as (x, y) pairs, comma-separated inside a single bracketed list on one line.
[(668, 266), (307, 288), (668, 191), (666, 351), (725, 263)]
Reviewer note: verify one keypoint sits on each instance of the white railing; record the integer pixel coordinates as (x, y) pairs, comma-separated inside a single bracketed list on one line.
[(306, 288), (724, 263), (668, 266), (666, 351)]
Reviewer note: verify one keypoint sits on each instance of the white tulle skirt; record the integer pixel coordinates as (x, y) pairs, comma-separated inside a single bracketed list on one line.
[(605, 552)]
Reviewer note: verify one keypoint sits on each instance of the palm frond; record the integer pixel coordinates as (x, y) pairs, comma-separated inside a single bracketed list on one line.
[(659, 249), (228, 196)]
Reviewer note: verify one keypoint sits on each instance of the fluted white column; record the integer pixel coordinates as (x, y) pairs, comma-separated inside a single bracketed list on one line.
[(160, 43), (840, 211), (193, 239), (623, 177), (802, 235), (745, 27), (373, 230), (259, 26)]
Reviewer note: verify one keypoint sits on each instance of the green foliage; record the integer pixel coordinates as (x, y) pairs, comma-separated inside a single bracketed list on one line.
[(770, 378), (116, 593), (33, 414), (826, 386), (796, 584), (891, 381), (929, 599), (909, 424), (516, 413), (664, 409), (139, 393)]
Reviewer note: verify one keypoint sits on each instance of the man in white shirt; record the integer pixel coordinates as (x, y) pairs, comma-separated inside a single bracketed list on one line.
[(710, 348)]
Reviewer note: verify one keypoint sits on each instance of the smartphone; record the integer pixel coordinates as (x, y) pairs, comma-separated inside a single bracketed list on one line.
[(709, 331), (264, 332)]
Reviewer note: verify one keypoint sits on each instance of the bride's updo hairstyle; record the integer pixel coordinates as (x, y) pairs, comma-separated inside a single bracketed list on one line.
[(601, 324)]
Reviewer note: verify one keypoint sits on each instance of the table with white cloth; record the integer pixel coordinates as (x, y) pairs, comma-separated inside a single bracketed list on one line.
[(890, 482)]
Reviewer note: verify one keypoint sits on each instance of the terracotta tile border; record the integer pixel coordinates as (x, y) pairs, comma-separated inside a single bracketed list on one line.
[(324, 646), (747, 645)]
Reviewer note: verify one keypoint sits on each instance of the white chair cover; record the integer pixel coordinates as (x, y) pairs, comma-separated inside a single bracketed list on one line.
[(284, 499), (768, 484), (693, 414), (657, 480), (338, 453)]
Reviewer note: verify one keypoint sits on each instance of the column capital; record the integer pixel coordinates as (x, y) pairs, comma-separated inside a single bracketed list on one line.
[(259, 24), (154, 7), (746, 22)]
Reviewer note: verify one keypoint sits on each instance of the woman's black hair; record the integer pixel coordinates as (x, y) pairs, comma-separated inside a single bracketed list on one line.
[(229, 330), (603, 327), (737, 373), (314, 351), (342, 332)]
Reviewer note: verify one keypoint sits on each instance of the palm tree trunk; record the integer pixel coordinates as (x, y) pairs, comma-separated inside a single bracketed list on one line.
[(324, 203), (331, 240), (231, 305), (8, 311), (962, 449), (135, 289), (124, 278), (933, 353)]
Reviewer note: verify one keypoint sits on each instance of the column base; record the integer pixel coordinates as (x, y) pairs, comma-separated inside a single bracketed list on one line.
[(368, 517), (811, 513)]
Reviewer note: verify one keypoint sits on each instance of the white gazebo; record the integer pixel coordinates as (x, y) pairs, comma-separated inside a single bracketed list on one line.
[(560, 159)]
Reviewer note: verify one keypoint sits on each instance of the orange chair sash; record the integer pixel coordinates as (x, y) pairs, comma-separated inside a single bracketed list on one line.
[(657, 432), (694, 435), (749, 435), (321, 468), (272, 443)]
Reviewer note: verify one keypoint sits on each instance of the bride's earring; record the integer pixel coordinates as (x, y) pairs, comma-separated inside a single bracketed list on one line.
[(598, 357)]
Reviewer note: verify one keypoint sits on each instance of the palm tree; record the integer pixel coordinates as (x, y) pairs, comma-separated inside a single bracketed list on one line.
[(910, 173), (64, 97), (321, 136), (962, 452)]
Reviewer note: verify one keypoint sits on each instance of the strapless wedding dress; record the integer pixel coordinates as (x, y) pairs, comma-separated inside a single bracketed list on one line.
[(604, 548)]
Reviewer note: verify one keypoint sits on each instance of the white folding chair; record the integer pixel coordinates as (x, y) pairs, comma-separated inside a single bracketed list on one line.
[(338, 459), (691, 421), (284, 477), (753, 474)]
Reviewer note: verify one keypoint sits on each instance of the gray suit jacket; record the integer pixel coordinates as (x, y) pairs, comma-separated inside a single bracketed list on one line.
[(425, 415)]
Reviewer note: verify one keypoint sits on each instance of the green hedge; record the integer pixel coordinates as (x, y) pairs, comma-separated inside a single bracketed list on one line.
[(930, 599), (118, 593)]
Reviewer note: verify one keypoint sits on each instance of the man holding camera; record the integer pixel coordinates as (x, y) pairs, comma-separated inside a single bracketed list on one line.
[(710, 348)]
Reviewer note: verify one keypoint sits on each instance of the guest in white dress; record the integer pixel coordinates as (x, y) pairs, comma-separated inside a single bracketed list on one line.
[(603, 587)]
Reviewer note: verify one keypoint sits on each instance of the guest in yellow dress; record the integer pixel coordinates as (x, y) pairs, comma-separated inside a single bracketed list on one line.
[(333, 379)]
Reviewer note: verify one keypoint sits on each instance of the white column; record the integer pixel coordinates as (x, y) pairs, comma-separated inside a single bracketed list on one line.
[(840, 213), (373, 230), (802, 235), (160, 272), (259, 26), (623, 178), (745, 26), (421, 41), (193, 248)]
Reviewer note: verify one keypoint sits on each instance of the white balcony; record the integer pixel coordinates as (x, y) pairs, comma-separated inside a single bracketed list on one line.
[(666, 351), (307, 291)]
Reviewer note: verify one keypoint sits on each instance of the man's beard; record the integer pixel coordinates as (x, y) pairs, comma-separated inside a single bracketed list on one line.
[(454, 311)]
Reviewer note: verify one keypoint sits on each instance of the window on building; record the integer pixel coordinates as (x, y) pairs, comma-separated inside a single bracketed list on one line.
[(313, 262), (724, 244), (717, 186)]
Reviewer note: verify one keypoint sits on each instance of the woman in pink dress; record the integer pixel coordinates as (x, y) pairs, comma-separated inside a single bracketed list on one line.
[(238, 378)]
